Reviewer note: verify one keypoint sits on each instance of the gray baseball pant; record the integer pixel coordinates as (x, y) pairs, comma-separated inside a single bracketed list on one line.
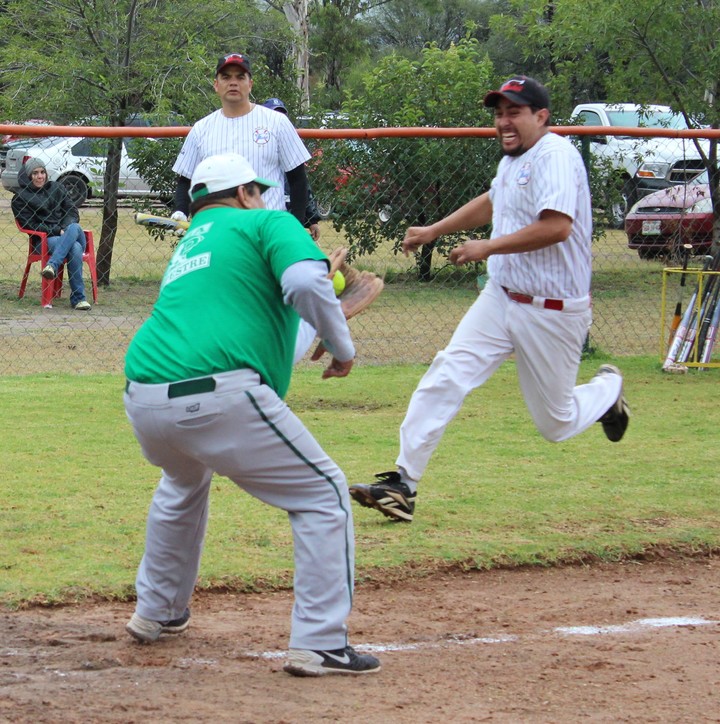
[(244, 431)]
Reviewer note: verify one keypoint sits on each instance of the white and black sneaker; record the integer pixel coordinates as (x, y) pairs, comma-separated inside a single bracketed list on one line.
[(615, 420), (146, 630), (389, 495), (304, 662)]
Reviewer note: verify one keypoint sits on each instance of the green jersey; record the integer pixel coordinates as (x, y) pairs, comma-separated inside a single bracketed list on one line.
[(221, 306)]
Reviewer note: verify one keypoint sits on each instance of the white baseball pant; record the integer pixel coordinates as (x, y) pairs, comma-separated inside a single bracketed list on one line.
[(547, 344)]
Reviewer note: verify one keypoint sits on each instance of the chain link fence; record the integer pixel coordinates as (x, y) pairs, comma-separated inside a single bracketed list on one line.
[(369, 190)]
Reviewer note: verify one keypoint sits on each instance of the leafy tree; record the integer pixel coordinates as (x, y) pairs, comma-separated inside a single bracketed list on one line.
[(647, 51), (328, 37), (113, 59), (338, 43), (413, 180), (296, 12), (407, 26)]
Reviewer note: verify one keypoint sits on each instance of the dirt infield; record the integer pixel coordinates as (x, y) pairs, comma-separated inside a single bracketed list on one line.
[(635, 642)]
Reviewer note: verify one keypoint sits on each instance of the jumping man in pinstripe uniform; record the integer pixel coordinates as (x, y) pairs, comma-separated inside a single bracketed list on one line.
[(536, 303), (266, 139)]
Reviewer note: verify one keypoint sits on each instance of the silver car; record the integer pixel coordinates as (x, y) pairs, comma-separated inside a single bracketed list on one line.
[(77, 163)]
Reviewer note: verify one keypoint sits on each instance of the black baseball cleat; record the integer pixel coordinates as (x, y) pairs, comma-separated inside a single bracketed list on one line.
[(146, 631), (389, 495), (304, 662), (615, 420)]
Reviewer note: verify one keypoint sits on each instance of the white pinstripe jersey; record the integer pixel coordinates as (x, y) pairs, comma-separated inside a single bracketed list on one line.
[(549, 175), (265, 137)]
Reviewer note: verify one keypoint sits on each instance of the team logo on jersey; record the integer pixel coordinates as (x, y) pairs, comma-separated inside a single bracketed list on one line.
[(261, 136), (182, 264), (523, 176)]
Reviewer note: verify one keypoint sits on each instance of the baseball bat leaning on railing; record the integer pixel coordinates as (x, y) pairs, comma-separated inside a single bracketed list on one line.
[(693, 340), (687, 248), (685, 326)]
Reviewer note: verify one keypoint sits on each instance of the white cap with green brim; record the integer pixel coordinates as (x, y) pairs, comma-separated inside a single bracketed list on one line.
[(222, 172)]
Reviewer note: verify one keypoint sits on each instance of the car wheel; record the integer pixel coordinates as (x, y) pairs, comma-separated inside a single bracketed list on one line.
[(324, 207), (623, 199), (618, 210), (385, 213), (76, 188)]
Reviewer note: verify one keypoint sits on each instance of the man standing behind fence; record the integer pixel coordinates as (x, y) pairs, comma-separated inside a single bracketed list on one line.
[(268, 140), (536, 303)]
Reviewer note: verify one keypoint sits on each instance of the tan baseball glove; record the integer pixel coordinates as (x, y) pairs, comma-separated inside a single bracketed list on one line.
[(362, 288)]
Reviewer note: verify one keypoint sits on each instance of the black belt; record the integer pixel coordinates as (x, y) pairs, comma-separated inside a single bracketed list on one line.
[(187, 387), (191, 387), (556, 304)]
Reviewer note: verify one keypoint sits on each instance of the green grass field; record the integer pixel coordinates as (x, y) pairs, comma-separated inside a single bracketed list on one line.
[(76, 489)]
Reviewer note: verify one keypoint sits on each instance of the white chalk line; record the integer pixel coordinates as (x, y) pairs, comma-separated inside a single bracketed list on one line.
[(631, 627)]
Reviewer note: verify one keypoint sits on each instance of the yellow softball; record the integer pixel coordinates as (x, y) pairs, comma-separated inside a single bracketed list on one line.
[(338, 283)]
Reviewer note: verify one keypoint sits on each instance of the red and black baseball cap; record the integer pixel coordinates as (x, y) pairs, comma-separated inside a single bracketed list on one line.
[(234, 59), (522, 91)]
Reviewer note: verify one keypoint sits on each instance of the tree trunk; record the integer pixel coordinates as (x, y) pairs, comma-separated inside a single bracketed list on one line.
[(425, 262), (110, 213), (296, 13)]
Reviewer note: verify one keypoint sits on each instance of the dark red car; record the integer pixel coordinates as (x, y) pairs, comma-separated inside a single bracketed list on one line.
[(659, 224)]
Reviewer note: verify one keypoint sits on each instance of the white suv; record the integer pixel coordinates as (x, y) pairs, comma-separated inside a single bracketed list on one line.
[(644, 165)]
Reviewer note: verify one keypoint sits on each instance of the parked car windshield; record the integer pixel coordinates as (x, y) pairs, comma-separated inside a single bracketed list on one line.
[(646, 119), (48, 142), (700, 179), (22, 143)]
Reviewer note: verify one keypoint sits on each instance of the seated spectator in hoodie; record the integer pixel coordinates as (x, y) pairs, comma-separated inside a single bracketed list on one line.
[(42, 205)]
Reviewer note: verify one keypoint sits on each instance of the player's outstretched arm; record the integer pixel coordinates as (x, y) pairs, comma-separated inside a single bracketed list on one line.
[(474, 213), (551, 228)]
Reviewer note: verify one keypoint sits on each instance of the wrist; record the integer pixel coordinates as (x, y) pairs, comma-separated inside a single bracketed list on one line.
[(436, 230)]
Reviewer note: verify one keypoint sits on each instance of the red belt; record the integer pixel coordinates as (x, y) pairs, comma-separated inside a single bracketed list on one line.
[(556, 304)]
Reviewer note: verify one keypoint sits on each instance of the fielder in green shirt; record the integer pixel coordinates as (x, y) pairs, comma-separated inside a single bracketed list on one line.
[(207, 374)]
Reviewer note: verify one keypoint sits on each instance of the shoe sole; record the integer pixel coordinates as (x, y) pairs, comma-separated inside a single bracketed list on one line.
[(624, 411), (622, 405), (298, 670), (47, 275), (368, 501)]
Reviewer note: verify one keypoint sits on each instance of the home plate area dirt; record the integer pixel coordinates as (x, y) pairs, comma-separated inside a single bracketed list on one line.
[(632, 642)]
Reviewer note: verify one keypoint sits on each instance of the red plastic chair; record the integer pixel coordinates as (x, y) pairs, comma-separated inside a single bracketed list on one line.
[(51, 289)]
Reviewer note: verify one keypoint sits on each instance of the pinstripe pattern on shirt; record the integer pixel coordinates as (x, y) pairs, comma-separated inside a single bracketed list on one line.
[(548, 176), (266, 138)]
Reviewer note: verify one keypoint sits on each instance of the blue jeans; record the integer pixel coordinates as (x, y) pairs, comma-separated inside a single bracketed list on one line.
[(69, 248)]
